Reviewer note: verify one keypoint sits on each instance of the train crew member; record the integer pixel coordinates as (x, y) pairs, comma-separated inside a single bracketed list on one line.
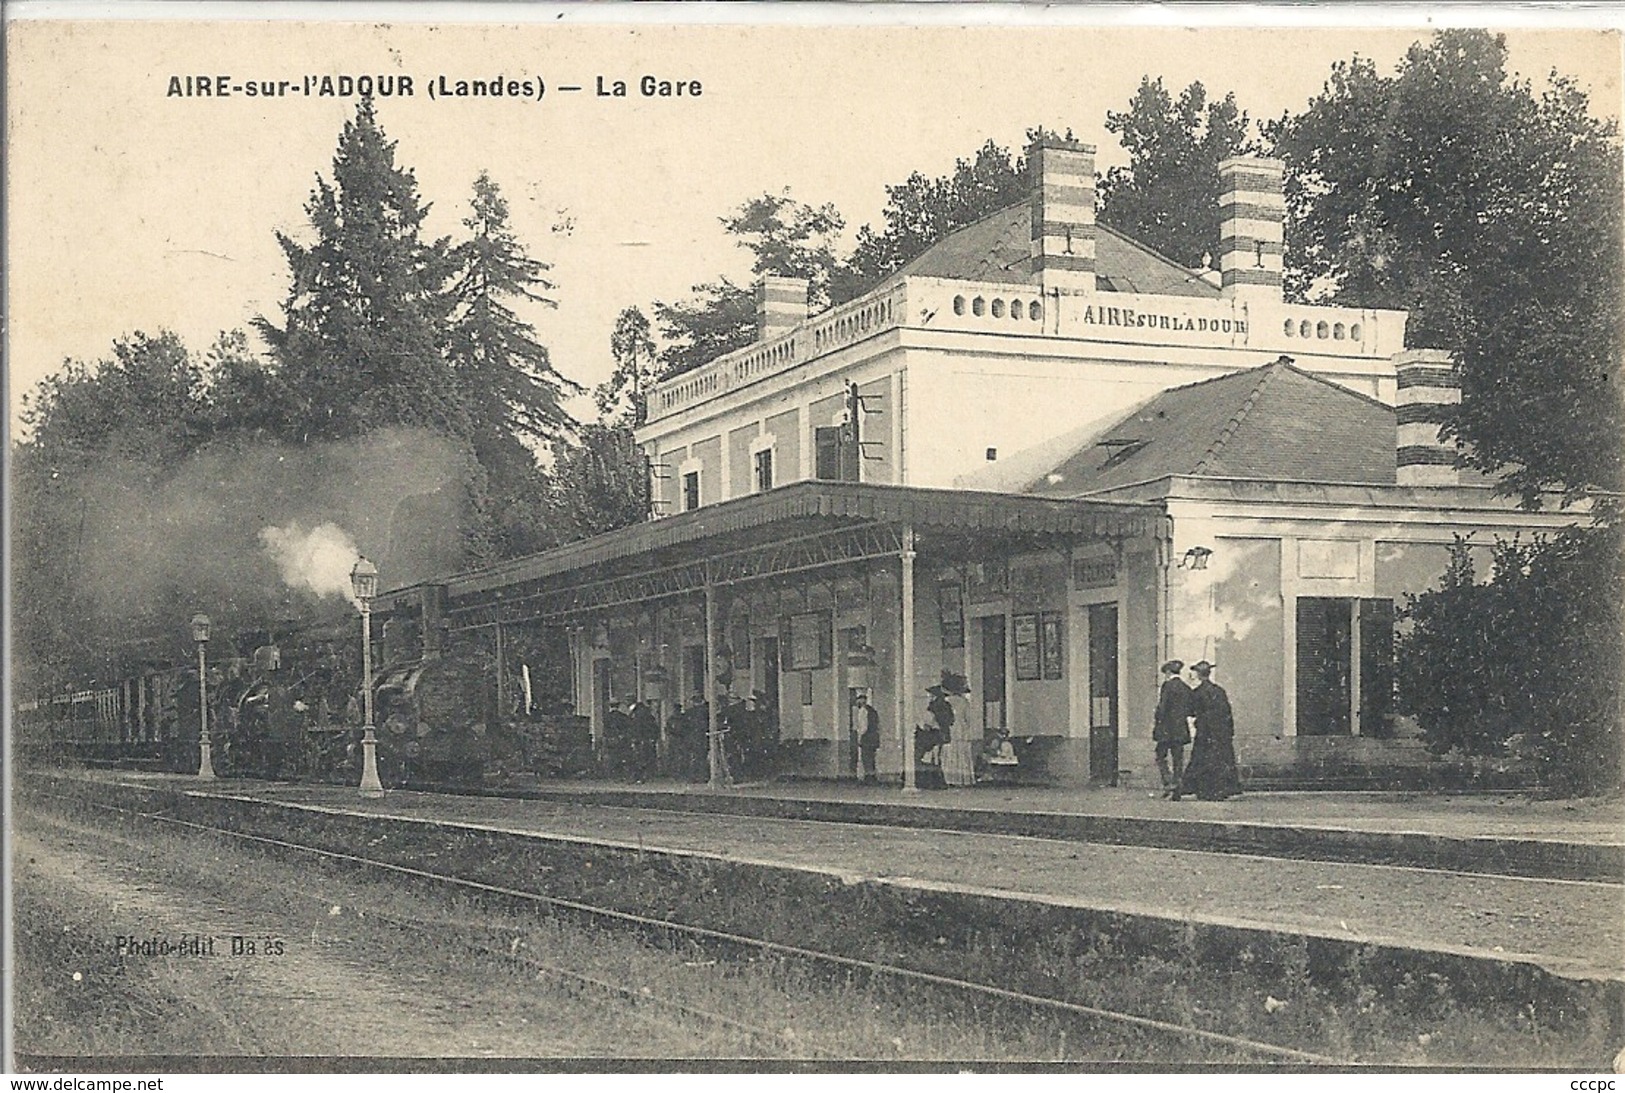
[(868, 719), (1212, 774), (1170, 727)]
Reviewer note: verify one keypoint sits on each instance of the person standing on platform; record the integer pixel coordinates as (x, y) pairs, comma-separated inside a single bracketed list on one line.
[(1212, 774), (618, 740), (1171, 727), (645, 732), (868, 736)]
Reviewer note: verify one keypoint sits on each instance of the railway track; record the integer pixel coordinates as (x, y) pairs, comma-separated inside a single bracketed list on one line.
[(975, 995)]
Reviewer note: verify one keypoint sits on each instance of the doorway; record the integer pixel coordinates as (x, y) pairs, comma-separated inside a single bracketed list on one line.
[(600, 698), (990, 629), (1103, 693), (767, 654)]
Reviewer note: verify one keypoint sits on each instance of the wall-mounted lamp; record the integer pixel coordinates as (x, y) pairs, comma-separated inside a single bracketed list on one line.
[(1195, 558)]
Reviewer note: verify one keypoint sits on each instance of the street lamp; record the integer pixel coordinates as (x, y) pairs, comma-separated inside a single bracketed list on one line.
[(364, 582), (200, 634)]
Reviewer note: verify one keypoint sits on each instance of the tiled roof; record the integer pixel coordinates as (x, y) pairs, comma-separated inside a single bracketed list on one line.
[(1276, 422), (997, 248)]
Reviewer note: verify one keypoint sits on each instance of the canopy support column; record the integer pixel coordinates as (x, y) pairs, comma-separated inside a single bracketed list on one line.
[(713, 733), (905, 659), (502, 675)]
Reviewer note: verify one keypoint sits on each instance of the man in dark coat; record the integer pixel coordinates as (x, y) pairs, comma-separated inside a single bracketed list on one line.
[(1212, 774), (645, 732), (618, 740), (1171, 728)]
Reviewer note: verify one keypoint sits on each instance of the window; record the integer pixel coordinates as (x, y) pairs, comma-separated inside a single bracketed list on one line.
[(835, 455), (1345, 666), (764, 470), (691, 491)]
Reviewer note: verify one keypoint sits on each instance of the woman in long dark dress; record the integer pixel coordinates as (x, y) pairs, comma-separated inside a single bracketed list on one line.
[(1211, 773)]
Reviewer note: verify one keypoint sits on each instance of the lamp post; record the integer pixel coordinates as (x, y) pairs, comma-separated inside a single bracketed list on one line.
[(364, 582), (200, 634)]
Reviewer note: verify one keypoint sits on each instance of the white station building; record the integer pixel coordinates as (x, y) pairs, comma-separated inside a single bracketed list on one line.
[(1045, 458)]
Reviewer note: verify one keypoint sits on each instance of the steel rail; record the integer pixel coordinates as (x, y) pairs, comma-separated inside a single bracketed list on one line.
[(638, 995), (814, 956)]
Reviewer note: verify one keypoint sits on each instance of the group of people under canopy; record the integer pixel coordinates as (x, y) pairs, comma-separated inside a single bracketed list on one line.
[(747, 726), (1195, 714)]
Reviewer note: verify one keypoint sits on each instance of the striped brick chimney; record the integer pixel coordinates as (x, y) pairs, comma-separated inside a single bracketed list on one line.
[(1063, 208), (781, 303), (1252, 207), (1428, 389)]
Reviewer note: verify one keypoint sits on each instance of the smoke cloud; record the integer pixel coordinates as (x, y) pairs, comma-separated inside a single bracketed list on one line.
[(319, 560), (259, 536)]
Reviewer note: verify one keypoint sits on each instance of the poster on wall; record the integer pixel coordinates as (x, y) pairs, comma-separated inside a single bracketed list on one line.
[(952, 609), (1050, 642), (810, 640), (1027, 659)]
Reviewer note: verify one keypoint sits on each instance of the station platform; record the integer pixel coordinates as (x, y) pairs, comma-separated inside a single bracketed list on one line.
[(1351, 872), (1498, 834)]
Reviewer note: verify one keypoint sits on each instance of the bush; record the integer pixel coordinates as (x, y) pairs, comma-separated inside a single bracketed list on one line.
[(1528, 662)]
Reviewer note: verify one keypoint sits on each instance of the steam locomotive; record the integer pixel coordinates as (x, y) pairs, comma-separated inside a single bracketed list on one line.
[(292, 710)]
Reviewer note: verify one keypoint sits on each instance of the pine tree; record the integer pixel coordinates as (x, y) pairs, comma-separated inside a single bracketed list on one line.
[(623, 399), (360, 347), (506, 376)]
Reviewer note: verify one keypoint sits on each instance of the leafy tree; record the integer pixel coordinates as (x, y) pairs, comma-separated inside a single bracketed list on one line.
[(787, 238), (600, 481), (1492, 214), (148, 402), (921, 210), (507, 380), (719, 318), (120, 423), (623, 398), (250, 399), (360, 347), (1168, 195), (1522, 665)]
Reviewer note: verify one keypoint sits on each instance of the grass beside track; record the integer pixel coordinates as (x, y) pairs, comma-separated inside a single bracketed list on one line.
[(1355, 1010), (529, 969)]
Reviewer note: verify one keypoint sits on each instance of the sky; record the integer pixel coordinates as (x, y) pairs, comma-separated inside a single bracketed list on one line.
[(132, 209)]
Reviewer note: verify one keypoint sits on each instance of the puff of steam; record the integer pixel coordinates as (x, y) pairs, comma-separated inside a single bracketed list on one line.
[(319, 560)]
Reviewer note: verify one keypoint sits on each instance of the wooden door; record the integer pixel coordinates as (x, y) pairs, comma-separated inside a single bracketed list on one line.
[(1103, 693)]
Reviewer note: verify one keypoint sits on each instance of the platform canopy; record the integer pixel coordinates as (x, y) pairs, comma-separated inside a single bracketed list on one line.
[(798, 528)]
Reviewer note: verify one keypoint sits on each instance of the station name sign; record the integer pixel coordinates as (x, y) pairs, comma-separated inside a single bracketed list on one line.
[(1149, 320)]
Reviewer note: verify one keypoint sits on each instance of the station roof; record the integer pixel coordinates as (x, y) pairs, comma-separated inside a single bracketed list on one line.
[(998, 248), (1276, 423), (803, 508)]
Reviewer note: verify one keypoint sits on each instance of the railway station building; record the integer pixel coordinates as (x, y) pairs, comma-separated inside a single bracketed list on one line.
[(1035, 463)]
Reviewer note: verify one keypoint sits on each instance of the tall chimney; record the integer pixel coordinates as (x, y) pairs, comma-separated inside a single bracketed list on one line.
[(1251, 208), (1428, 388), (1063, 213), (781, 303)]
